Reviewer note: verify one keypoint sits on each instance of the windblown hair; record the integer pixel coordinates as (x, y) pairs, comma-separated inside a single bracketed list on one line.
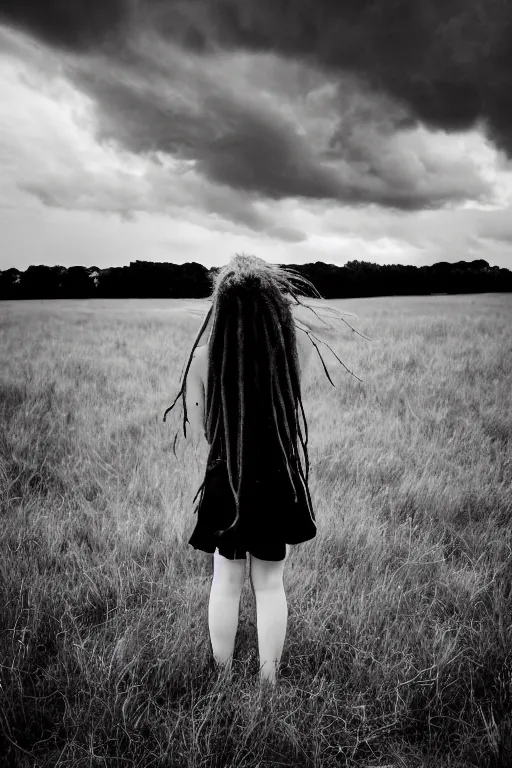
[(253, 401)]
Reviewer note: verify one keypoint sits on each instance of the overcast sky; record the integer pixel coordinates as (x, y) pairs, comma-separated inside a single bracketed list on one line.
[(188, 130)]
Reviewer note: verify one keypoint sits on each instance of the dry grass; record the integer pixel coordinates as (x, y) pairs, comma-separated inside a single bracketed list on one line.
[(399, 611)]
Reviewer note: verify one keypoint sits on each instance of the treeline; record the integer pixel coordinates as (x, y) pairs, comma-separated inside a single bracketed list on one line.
[(145, 279)]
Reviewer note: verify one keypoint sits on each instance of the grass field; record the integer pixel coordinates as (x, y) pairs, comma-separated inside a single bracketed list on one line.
[(400, 610)]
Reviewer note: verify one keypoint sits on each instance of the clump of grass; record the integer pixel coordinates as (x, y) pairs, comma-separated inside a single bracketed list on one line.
[(397, 650)]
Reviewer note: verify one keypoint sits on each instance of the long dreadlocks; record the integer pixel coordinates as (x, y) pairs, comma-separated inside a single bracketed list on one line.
[(253, 401)]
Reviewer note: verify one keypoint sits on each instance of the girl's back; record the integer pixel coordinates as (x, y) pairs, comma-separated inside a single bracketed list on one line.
[(304, 350)]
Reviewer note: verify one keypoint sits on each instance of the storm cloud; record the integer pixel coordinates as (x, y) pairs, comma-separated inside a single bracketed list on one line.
[(240, 109), (262, 124), (449, 61)]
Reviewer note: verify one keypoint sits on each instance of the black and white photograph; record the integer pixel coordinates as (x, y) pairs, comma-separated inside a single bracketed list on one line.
[(255, 383)]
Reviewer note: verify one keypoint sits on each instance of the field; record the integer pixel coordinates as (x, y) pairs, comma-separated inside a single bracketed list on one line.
[(400, 610)]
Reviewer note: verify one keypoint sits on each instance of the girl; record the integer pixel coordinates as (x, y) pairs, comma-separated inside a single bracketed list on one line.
[(242, 390)]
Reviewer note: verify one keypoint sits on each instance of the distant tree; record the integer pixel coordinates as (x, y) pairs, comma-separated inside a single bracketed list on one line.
[(194, 282), (93, 273), (41, 282), (160, 280), (476, 264), (146, 279), (114, 283), (10, 284), (77, 283)]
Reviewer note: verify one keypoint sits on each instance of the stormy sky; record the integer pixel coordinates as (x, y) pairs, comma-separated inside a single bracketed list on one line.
[(298, 130)]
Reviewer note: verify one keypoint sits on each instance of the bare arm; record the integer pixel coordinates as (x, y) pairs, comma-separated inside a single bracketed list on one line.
[(195, 399)]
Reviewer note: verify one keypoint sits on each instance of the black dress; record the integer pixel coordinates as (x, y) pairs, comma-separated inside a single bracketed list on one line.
[(270, 517)]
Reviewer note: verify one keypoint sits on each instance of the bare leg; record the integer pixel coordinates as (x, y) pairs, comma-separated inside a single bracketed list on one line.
[(272, 613), (227, 582)]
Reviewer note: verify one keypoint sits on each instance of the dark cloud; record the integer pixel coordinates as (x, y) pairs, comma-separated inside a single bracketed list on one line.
[(450, 61), (242, 142), (260, 151), (443, 63), (71, 24), (230, 140)]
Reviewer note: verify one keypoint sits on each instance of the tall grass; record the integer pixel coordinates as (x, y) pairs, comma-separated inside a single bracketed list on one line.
[(400, 610)]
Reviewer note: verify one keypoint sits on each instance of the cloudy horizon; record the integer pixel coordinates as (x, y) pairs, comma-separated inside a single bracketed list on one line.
[(173, 131)]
